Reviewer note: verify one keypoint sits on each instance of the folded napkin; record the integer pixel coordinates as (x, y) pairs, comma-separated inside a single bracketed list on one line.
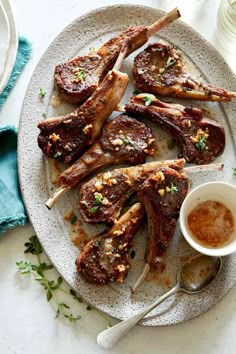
[(23, 55), (12, 211)]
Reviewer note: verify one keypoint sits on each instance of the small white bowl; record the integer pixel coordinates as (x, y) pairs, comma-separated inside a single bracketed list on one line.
[(218, 191)]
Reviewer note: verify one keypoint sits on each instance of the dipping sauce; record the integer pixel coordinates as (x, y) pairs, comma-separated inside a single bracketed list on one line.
[(211, 223)]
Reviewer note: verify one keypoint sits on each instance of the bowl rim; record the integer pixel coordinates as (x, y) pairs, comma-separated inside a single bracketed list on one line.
[(219, 251)]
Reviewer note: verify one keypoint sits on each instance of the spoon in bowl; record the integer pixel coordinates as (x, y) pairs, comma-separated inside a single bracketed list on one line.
[(193, 276)]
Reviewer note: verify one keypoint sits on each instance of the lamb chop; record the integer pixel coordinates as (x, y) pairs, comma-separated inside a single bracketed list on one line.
[(66, 138), (102, 197), (105, 258), (124, 140), (77, 79), (162, 195), (200, 139), (160, 69)]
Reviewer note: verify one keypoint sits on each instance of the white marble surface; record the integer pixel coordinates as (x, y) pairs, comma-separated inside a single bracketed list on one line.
[(27, 323)]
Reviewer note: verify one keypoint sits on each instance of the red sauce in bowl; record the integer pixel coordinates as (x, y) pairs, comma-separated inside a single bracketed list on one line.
[(211, 223)]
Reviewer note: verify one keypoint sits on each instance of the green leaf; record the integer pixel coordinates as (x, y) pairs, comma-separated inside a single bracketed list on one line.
[(59, 281), (136, 92), (147, 100), (49, 295), (98, 200), (75, 296), (63, 305), (58, 312), (33, 246), (173, 188), (24, 267), (57, 154), (234, 171), (93, 209), (42, 92), (170, 61), (79, 75), (73, 219), (71, 318)]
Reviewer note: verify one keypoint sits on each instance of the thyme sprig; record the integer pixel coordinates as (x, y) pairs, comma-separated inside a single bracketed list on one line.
[(38, 271)]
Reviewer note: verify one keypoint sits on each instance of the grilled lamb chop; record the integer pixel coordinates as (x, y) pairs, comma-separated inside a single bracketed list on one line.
[(66, 138), (105, 258), (160, 69), (77, 79), (124, 140), (114, 188), (200, 139), (162, 195), (102, 197)]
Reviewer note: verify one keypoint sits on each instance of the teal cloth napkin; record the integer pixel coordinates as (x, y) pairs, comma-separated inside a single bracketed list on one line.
[(12, 211)]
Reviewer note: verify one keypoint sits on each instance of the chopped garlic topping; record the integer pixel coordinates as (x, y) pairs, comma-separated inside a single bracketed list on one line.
[(159, 176), (117, 142), (87, 128), (161, 192), (54, 137)]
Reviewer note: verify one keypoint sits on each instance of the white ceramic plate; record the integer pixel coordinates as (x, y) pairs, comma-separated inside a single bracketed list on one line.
[(89, 31), (9, 42)]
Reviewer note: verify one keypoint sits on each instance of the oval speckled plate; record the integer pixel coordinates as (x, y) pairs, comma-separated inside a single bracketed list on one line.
[(54, 232)]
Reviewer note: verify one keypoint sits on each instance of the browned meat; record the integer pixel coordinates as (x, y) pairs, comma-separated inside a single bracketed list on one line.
[(160, 69), (105, 258), (162, 195), (102, 197), (66, 138), (200, 139), (124, 140), (77, 79)]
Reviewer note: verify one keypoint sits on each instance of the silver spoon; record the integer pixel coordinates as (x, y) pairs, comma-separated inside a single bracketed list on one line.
[(192, 277)]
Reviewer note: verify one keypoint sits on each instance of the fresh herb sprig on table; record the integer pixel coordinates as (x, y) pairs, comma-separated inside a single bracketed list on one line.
[(39, 270)]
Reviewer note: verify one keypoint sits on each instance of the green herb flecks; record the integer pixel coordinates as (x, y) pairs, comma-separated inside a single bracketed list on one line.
[(42, 92), (147, 100), (136, 92), (170, 62), (57, 154), (93, 209), (201, 143), (79, 75), (234, 171), (172, 189), (73, 219)]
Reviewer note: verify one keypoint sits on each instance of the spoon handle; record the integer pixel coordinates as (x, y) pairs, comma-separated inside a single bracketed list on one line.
[(108, 338)]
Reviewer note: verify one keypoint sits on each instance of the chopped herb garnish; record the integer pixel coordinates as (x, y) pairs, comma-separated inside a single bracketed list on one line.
[(170, 61), (132, 254), (42, 92), (126, 140), (57, 154), (172, 188), (93, 209), (201, 144), (136, 92), (44, 115), (79, 75), (234, 171), (89, 308), (98, 200), (147, 100), (73, 219)]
